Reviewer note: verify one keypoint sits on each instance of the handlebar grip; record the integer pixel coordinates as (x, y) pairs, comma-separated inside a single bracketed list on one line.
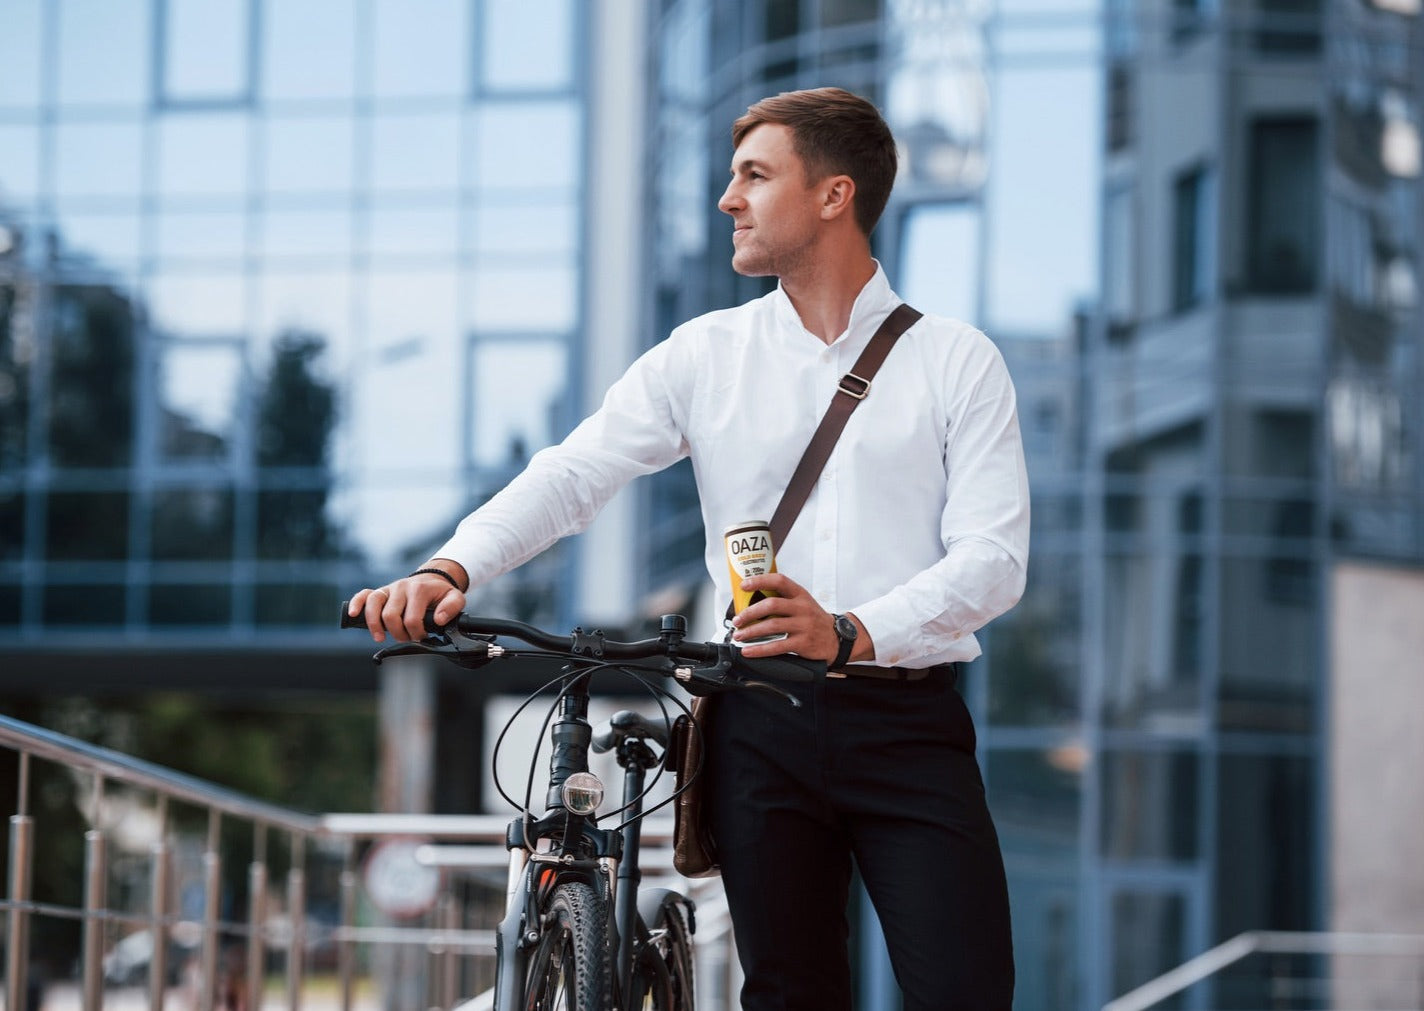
[(786, 667), (360, 620)]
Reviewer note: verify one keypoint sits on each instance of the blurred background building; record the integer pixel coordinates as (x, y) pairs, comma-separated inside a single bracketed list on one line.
[(286, 288)]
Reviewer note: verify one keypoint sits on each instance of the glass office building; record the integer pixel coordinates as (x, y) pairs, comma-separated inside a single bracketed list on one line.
[(284, 287), (1198, 251)]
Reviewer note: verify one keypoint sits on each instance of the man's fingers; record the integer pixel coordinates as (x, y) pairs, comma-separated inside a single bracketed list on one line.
[(451, 604)]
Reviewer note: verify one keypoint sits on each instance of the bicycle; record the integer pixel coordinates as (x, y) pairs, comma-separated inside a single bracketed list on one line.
[(578, 933)]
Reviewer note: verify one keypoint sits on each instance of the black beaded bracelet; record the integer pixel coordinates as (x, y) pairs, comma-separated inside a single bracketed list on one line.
[(438, 572)]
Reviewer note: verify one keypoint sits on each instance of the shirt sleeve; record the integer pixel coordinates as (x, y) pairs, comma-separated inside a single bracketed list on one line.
[(984, 528), (637, 430)]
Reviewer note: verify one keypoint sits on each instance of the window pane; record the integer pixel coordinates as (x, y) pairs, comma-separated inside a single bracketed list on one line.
[(527, 145), (308, 235), (311, 154), (199, 386), (87, 526), (198, 305), (20, 55), (203, 154), (188, 524), (98, 159), (528, 299), (1284, 212), (89, 605), (415, 152), (503, 228), (201, 236), (1149, 934), (309, 49), (205, 49), (420, 48), (527, 45), (190, 604), (107, 240), (397, 232), (92, 368), (941, 259), (1150, 805), (19, 163), (507, 430), (104, 51)]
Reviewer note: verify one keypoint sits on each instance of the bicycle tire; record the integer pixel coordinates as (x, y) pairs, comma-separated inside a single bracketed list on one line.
[(663, 981), (568, 969)]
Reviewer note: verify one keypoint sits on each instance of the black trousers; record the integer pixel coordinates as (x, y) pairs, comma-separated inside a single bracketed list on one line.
[(882, 773)]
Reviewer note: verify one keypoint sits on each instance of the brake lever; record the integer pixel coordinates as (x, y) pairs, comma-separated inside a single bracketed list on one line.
[(767, 686), (462, 650)]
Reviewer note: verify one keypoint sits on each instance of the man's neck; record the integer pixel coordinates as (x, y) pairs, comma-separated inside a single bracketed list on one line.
[(823, 295)]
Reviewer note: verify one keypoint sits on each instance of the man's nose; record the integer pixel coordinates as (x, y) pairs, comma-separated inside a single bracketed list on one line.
[(730, 199)]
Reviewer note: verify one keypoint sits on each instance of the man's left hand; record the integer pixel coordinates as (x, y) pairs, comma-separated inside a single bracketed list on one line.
[(810, 629)]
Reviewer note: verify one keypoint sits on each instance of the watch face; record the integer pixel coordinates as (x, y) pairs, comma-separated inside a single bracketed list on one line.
[(845, 628)]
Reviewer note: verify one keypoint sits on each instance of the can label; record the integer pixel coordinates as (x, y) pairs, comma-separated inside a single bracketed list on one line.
[(749, 553)]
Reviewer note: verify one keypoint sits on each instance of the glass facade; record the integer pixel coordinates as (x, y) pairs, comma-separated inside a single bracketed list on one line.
[(1199, 255), (284, 288)]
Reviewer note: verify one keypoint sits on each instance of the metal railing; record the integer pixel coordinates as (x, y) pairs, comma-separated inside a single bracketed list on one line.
[(1303, 970), (437, 955)]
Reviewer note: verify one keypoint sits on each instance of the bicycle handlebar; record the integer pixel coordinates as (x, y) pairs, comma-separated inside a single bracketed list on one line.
[(726, 667)]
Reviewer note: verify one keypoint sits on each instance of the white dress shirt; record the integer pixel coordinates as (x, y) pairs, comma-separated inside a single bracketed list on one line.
[(919, 523)]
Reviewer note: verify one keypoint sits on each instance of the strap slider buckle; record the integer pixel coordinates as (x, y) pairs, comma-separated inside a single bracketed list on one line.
[(853, 385)]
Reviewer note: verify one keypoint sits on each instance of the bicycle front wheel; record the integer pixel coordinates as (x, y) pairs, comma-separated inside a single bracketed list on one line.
[(568, 969), (663, 978)]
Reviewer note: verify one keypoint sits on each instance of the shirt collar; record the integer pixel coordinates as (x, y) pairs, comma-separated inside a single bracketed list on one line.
[(873, 304)]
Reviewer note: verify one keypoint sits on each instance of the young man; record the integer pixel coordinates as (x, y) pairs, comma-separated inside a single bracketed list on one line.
[(915, 536)]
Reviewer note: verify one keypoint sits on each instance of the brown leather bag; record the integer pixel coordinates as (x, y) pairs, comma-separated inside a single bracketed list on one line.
[(694, 851)]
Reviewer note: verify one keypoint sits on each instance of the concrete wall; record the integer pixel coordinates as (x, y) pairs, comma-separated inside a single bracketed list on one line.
[(1376, 775)]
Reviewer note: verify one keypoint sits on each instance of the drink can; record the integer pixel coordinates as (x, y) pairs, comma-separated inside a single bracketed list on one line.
[(749, 553)]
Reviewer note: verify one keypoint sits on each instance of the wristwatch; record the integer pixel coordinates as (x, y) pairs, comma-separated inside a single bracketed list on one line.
[(846, 632)]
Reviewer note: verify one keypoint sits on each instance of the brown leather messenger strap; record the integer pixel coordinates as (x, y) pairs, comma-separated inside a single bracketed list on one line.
[(852, 389)]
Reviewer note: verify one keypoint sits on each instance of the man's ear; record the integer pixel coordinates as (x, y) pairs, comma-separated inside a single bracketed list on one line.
[(839, 194)]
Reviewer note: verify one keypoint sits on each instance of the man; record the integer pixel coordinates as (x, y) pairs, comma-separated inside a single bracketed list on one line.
[(915, 536)]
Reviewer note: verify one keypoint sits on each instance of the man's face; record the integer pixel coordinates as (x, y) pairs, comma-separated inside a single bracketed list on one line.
[(775, 210)]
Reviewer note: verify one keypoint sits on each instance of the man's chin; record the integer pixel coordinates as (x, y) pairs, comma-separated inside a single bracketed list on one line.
[(748, 267)]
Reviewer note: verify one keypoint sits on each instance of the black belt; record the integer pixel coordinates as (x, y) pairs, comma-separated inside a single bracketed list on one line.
[(949, 670)]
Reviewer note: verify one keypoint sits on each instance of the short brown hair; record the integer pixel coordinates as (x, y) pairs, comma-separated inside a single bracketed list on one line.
[(834, 133)]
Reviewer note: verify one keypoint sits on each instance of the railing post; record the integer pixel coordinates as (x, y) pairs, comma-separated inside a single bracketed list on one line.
[(17, 951), (96, 876), (447, 958), (159, 892), (297, 911), (212, 906), (346, 948), (256, 922)]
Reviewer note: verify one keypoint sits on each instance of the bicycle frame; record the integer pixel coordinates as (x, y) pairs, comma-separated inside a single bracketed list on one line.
[(604, 858)]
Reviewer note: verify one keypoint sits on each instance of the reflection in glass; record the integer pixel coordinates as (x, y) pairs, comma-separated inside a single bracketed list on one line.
[(108, 240), (292, 66), (1266, 822), (500, 228), (191, 524), (507, 135), (86, 604), (1033, 650), (534, 298), (420, 48), (1149, 804), (91, 378), (20, 56), (315, 301), (508, 426), (308, 235), (1149, 932), (420, 152), (216, 235), (205, 46), (199, 387), (190, 604), (396, 232), (941, 259), (87, 526), (98, 159), (19, 163), (197, 305), (203, 154), (104, 51), (1036, 796), (526, 45), (308, 154)]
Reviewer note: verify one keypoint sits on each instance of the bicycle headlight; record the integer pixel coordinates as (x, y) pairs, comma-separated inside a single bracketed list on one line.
[(582, 793)]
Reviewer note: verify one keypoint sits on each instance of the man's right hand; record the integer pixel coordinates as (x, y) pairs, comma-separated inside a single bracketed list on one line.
[(399, 607)]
